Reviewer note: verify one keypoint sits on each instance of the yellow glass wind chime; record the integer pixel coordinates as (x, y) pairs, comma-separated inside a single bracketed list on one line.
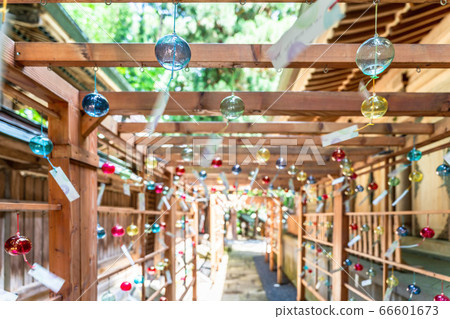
[(372, 58)]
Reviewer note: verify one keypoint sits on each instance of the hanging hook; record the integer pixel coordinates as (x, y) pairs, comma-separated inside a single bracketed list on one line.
[(418, 70), (43, 2), (309, 2), (186, 69), (108, 2), (279, 70), (242, 2), (95, 68), (443, 2), (142, 68), (49, 68), (325, 70)]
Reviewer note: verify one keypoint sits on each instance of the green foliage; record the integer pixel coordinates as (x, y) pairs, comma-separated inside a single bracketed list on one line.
[(32, 115)]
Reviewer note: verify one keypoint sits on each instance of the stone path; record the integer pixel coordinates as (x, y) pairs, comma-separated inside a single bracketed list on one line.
[(242, 280)]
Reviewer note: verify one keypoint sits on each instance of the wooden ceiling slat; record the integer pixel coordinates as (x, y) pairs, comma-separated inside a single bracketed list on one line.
[(385, 2), (338, 55)]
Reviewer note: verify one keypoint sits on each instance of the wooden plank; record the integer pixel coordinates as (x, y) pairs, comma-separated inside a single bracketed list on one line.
[(313, 103), (300, 207), (221, 1), (274, 140), (396, 213), (89, 124), (171, 216), (340, 240), (279, 245), (205, 55), (11, 206)]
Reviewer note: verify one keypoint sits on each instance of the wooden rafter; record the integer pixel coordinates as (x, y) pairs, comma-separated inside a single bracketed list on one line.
[(219, 1), (318, 103), (340, 55), (276, 128)]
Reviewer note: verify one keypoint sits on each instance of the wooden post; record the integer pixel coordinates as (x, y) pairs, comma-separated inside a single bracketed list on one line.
[(72, 230), (272, 228), (340, 240), (387, 231), (170, 241), (300, 251), (194, 250), (280, 245)]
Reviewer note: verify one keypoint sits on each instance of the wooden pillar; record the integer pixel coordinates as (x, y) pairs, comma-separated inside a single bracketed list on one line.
[(280, 245), (170, 241), (72, 230), (387, 230), (194, 250), (340, 240), (300, 250), (271, 240)]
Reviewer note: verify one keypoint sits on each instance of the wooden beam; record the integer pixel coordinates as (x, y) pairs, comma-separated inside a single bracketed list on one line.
[(28, 101), (315, 103), (337, 55), (276, 127), (274, 140), (219, 1), (27, 206), (89, 124)]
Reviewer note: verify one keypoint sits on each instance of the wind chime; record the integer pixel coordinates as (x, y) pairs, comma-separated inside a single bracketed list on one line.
[(372, 58)]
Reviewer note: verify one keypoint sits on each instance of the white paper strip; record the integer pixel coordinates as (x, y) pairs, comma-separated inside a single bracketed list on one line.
[(7, 296), (398, 170), (387, 295), (356, 280), (380, 197), (291, 185), (166, 202), (338, 180), (224, 179), (400, 197), (168, 277), (319, 283), (183, 205), (126, 189), (340, 136), (391, 249), (170, 193), (100, 193), (65, 184), (366, 282), (127, 254), (353, 241), (157, 112), (319, 207), (254, 177), (447, 158), (161, 241), (45, 277), (312, 22), (210, 149), (141, 201), (168, 233)]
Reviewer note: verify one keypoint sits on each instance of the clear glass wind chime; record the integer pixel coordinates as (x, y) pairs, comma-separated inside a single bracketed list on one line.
[(372, 58)]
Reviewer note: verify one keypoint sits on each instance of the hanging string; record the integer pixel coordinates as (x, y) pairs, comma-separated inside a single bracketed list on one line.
[(174, 45), (18, 230), (95, 78), (5, 2), (376, 18)]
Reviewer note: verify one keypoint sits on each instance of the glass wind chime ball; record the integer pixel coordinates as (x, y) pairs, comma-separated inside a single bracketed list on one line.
[(217, 162), (163, 298), (151, 162), (117, 231), (108, 296), (203, 175), (371, 272), (125, 174), (266, 179), (415, 176), (393, 181), (126, 286), (139, 280), (392, 281), (232, 107), (347, 262), (311, 180), (427, 232), (441, 297), (338, 155), (132, 230), (372, 186), (292, 170), (281, 163), (172, 52), (359, 188), (402, 231), (443, 170), (379, 230), (151, 185), (414, 155), (151, 270), (18, 245), (365, 228), (374, 55), (236, 169), (95, 105), (374, 107), (302, 176), (101, 232), (108, 168), (353, 226), (413, 289), (187, 154), (148, 228), (41, 145), (358, 267), (159, 188), (156, 228), (179, 170), (263, 155)]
